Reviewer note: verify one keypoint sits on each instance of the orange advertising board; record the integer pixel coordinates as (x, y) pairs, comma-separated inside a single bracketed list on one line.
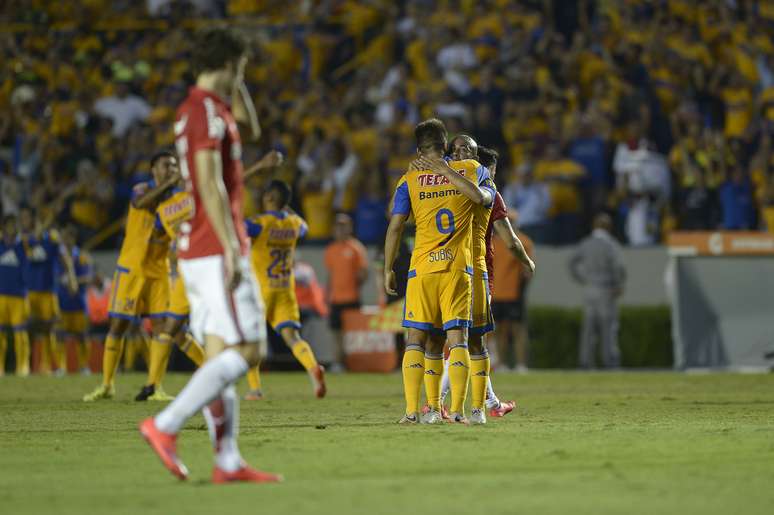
[(741, 243)]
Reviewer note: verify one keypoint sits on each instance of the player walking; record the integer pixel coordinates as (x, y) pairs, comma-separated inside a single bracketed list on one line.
[(227, 312), (442, 197)]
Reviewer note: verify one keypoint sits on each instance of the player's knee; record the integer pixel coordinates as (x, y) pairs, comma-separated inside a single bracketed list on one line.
[(253, 352), (119, 326)]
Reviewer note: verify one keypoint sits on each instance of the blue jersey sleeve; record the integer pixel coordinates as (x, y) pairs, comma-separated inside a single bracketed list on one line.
[(402, 201), (302, 230), (253, 229), (157, 223), (485, 182)]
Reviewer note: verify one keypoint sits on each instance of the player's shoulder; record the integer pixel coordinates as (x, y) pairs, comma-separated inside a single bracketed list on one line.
[(467, 165)]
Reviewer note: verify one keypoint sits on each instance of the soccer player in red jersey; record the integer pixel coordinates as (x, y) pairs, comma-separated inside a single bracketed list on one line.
[(227, 311)]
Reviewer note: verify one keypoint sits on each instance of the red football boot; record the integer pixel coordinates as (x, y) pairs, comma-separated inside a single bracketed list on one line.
[(502, 410), (165, 447), (318, 381), (243, 474)]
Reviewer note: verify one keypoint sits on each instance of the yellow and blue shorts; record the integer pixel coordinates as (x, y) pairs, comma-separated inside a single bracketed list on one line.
[(44, 306), (281, 308), (14, 312), (483, 320), (178, 301), (73, 322), (438, 301), (137, 296)]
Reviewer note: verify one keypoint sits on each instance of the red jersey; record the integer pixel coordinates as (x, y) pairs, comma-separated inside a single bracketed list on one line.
[(204, 121), (499, 211)]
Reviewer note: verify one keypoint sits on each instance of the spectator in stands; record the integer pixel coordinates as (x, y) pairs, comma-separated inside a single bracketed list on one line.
[(736, 201), (532, 200), (509, 302), (563, 177), (123, 109), (598, 266), (642, 181), (371, 209), (347, 262)]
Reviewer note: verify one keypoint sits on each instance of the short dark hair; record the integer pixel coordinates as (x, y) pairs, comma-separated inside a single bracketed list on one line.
[(487, 156), (9, 218), (214, 48), (27, 207), (282, 189), (431, 135), (161, 154)]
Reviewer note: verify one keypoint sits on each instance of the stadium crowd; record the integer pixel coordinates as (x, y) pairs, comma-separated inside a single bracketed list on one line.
[(660, 113)]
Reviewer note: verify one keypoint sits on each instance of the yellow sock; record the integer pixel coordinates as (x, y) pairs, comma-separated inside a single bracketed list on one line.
[(160, 349), (3, 349), (459, 375), (413, 372), (192, 349), (303, 353), (59, 352), (479, 373), (21, 346), (254, 378), (114, 346), (433, 375)]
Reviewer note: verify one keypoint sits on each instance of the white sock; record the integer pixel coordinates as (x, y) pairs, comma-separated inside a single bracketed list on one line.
[(205, 385), (445, 385), (491, 399), (227, 456)]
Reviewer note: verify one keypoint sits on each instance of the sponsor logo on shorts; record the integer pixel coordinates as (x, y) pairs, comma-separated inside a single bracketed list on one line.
[(411, 314)]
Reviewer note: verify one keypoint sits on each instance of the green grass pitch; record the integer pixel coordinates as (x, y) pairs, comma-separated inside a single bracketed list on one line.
[(579, 443)]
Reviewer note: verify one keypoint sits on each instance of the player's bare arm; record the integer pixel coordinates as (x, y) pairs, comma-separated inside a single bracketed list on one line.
[(150, 199), (67, 263), (391, 246), (270, 160), (506, 232), (243, 107), (209, 177), (466, 187)]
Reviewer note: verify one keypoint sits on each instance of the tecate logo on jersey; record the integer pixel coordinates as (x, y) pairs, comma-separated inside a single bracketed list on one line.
[(432, 179)]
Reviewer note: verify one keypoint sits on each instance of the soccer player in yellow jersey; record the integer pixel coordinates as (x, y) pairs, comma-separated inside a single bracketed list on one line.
[(141, 280), (170, 214), (443, 197), (274, 236)]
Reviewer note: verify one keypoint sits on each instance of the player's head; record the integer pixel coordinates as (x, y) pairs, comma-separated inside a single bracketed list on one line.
[(603, 221), (276, 195), (463, 147), (163, 165), (488, 158), (10, 226), (220, 53), (431, 137), (26, 218), (342, 227)]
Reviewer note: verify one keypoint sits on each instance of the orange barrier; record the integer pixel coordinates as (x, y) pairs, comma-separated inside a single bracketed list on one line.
[(368, 348)]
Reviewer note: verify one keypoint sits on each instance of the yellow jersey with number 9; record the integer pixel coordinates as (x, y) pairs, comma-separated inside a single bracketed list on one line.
[(444, 216), (274, 235)]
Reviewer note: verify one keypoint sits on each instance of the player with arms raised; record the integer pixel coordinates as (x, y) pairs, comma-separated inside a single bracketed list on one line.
[(227, 312), (442, 197), (274, 235)]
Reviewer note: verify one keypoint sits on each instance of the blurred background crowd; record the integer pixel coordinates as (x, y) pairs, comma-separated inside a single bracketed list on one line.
[(660, 113)]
